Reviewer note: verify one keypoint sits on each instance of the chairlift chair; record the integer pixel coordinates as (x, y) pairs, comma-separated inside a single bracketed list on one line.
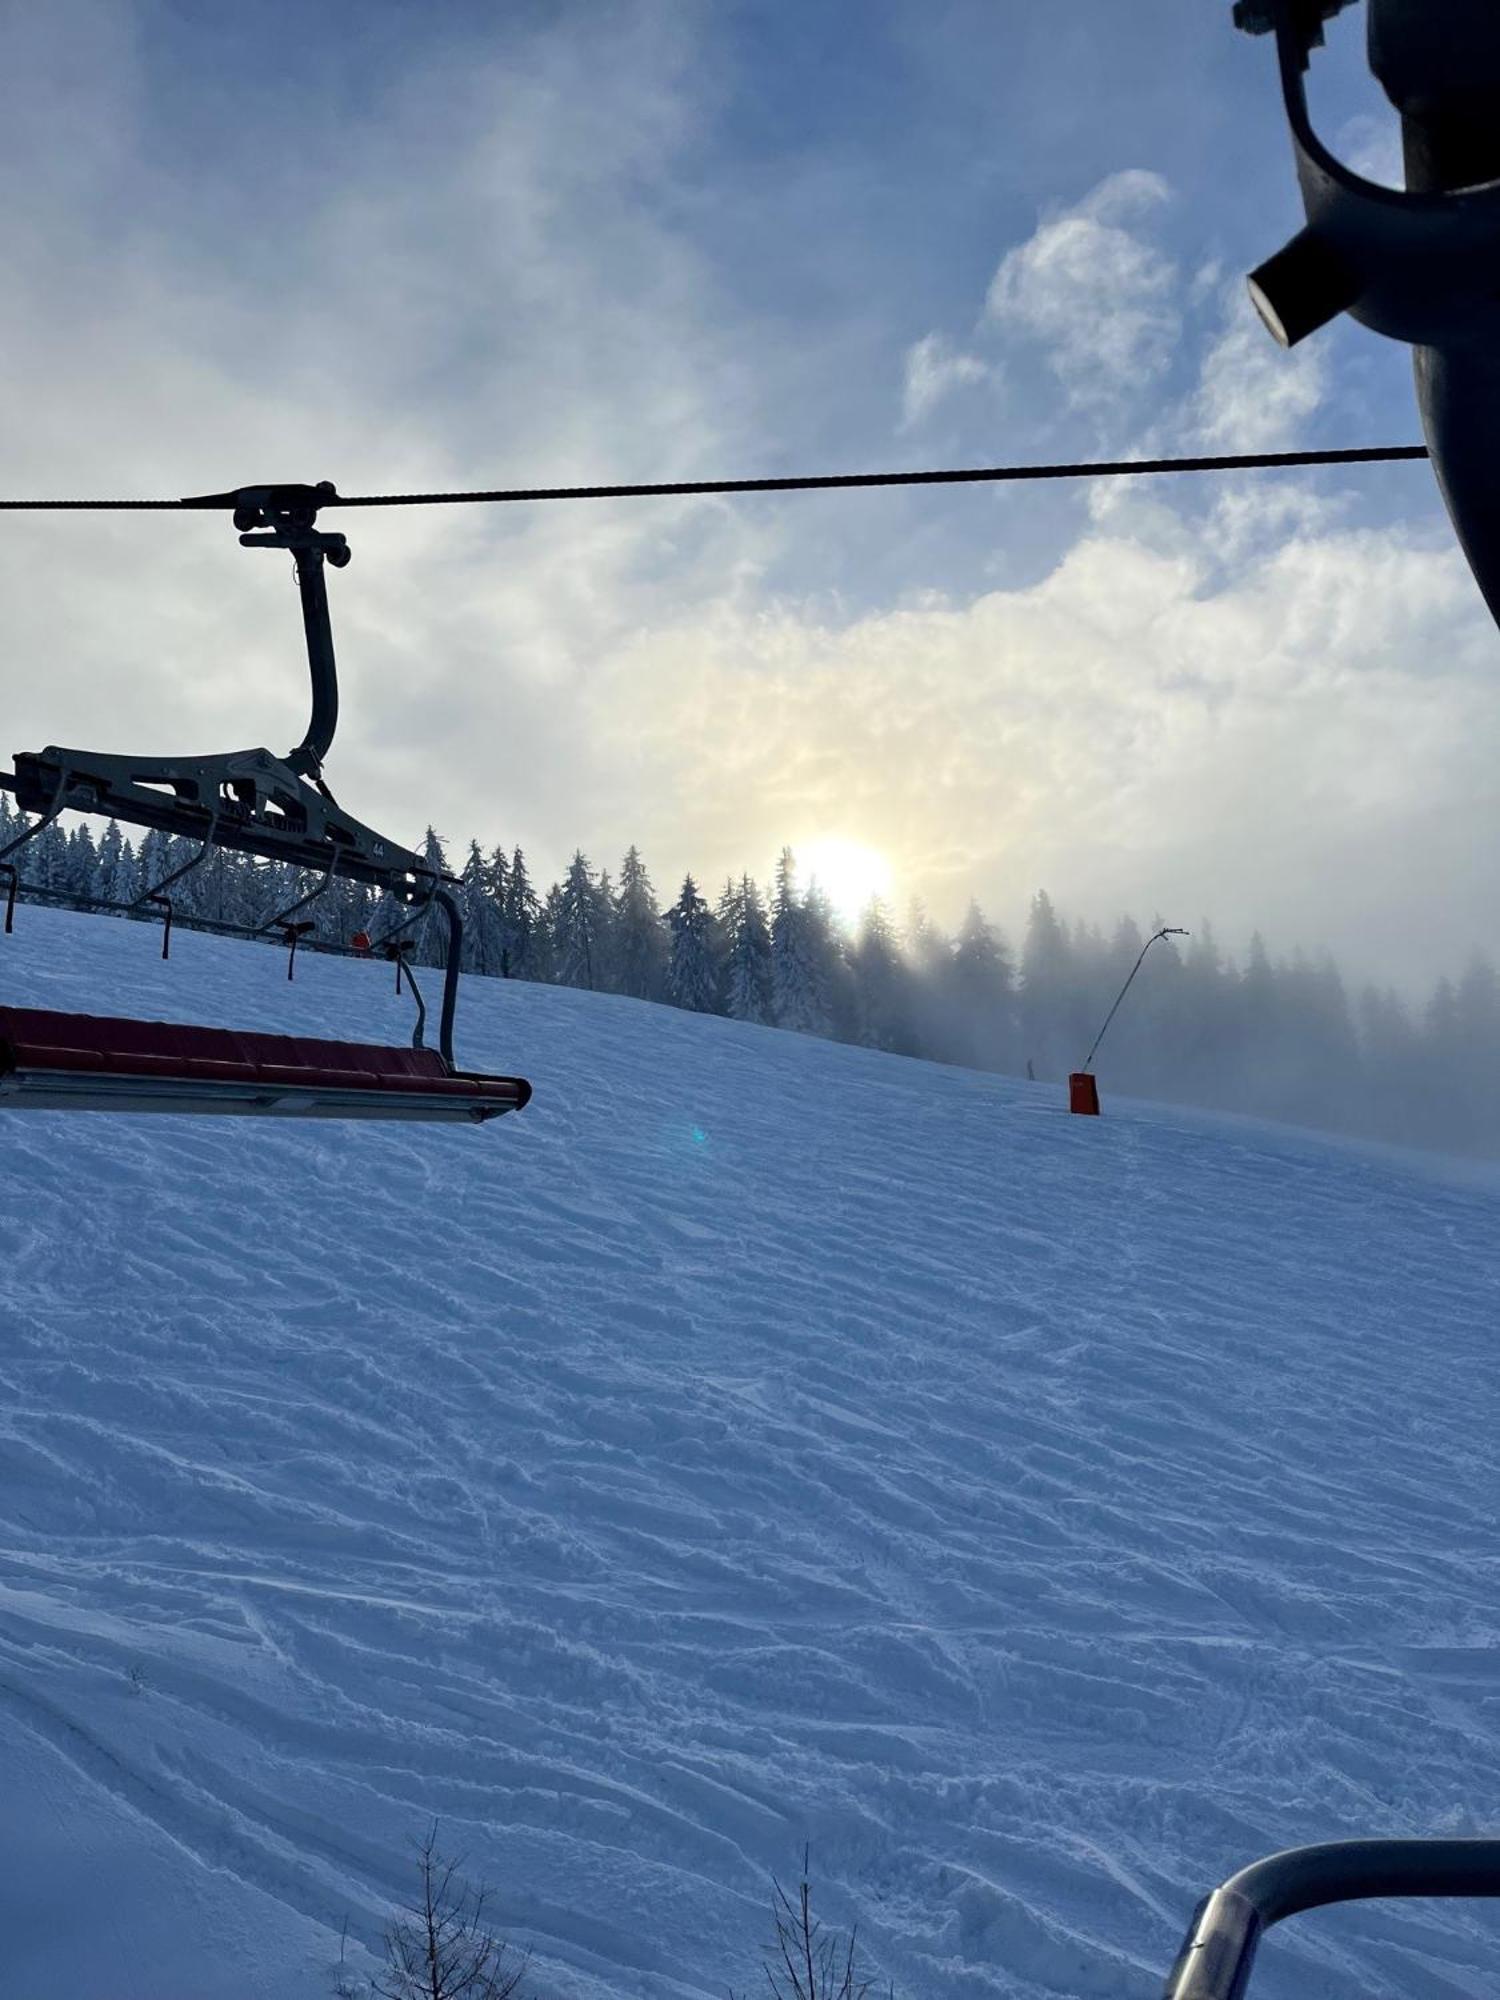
[(277, 808)]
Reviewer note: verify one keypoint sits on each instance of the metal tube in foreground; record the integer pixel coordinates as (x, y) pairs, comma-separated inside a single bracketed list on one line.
[(1219, 1950)]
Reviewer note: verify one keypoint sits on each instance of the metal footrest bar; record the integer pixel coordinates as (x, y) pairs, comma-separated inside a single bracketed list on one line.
[(1219, 1950)]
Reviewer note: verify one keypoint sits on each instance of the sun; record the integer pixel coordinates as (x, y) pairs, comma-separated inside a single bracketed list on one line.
[(848, 873)]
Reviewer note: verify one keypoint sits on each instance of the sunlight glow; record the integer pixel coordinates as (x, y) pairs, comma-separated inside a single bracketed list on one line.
[(848, 873)]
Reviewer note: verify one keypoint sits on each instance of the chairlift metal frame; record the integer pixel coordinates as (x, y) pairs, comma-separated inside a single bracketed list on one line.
[(1415, 263), (279, 809)]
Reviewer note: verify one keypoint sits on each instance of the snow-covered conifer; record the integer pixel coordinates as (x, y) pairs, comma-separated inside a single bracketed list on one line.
[(550, 927), (1046, 979), (83, 862), (640, 939), (216, 884), (431, 931), (483, 940), (749, 962), (827, 950), (111, 860), (45, 859), (606, 944), (799, 979), (525, 945), (578, 929), (153, 860), (693, 970), (497, 881), (983, 995), (884, 985)]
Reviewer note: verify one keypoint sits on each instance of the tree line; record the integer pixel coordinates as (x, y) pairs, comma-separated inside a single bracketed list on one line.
[(1280, 1038)]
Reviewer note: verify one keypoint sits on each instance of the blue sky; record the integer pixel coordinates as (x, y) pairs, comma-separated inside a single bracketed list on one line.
[(466, 245)]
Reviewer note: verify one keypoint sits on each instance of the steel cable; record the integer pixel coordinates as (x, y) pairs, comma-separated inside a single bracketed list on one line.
[(1113, 468)]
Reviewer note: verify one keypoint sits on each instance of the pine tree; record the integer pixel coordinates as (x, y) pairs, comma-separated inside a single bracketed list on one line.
[(1047, 1006), (214, 885), (983, 994), (830, 960), (606, 946), (799, 985), (934, 1011), (48, 855), (927, 950), (551, 929), (431, 931), (483, 941), (111, 863), (693, 970), (883, 985), (153, 861), (527, 946), (1395, 1078), (640, 941), (497, 876), (724, 929), (749, 962), (82, 877), (578, 927)]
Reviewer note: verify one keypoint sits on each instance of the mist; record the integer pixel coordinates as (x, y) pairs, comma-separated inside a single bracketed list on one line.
[(1284, 1037)]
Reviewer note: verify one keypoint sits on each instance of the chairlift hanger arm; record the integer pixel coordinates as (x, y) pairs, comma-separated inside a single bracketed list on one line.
[(285, 517), (256, 803)]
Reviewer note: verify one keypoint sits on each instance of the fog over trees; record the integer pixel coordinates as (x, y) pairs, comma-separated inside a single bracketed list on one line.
[(1278, 1038)]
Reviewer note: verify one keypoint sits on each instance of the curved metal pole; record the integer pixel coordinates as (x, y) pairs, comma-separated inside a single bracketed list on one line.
[(437, 894), (1169, 932), (420, 1029), (155, 895), (419, 911), (1219, 1949), (301, 903), (449, 903), (316, 623)]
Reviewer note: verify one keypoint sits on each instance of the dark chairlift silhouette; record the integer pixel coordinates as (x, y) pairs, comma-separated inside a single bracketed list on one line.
[(280, 809), (1415, 263), (1418, 265)]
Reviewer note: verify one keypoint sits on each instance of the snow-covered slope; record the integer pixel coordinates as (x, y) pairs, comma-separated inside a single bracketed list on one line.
[(756, 1441)]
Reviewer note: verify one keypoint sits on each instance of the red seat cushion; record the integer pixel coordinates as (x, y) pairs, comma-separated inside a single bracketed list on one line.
[(34, 1038)]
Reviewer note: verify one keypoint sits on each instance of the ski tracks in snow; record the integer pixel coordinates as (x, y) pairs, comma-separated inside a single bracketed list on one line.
[(755, 1442)]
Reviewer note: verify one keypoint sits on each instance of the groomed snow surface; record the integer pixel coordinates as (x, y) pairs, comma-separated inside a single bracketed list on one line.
[(754, 1442)]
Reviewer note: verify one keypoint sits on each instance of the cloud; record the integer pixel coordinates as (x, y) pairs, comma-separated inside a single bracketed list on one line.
[(1253, 395), (933, 370), (1093, 289), (467, 280), (1225, 700), (1371, 148), (1299, 743)]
